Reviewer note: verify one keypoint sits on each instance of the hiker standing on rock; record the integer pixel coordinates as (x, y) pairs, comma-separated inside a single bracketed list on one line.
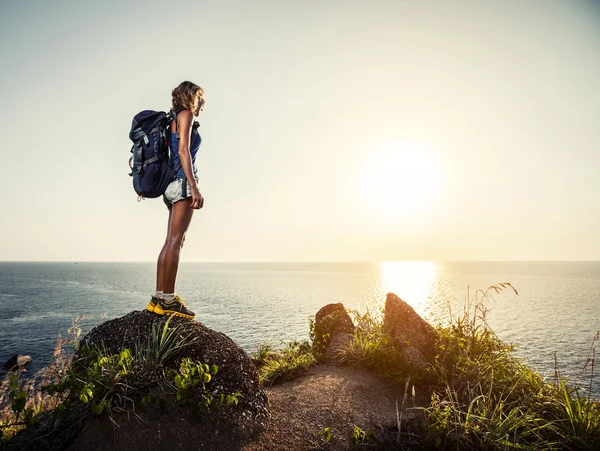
[(181, 197)]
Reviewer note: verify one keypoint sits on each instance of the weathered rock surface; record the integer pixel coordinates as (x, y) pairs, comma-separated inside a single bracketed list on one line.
[(414, 337), (333, 328), (177, 429), (408, 329)]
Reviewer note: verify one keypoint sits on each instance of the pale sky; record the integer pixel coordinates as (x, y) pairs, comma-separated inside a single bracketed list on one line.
[(333, 130)]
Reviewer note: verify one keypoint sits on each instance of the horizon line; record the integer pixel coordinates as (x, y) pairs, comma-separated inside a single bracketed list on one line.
[(307, 261)]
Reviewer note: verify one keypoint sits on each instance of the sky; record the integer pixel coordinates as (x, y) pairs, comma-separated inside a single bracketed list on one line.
[(333, 130)]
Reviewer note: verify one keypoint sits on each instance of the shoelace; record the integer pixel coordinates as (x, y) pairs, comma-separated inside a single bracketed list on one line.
[(181, 301)]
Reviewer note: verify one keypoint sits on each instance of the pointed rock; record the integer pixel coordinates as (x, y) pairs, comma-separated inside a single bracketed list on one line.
[(408, 329)]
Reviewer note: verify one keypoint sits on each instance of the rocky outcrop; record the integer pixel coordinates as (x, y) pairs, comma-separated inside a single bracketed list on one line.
[(333, 330), (17, 361), (408, 329), (179, 428), (414, 337)]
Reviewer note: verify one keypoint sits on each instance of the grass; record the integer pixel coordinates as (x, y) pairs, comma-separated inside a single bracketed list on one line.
[(372, 349), (286, 363), (485, 398)]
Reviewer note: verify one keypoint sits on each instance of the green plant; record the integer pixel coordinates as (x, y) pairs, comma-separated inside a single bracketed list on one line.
[(318, 339), (326, 433), (287, 363), (18, 399), (372, 349), (263, 351), (360, 438), (163, 345), (115, 382), (191, 379), (580, 415)]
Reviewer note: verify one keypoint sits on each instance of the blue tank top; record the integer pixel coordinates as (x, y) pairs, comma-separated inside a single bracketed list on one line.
[(195, 141)]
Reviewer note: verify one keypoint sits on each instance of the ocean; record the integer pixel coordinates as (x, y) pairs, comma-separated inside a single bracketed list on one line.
[(556, 309)]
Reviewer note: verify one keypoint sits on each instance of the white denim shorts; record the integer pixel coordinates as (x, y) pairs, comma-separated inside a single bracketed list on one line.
[(174, 193)]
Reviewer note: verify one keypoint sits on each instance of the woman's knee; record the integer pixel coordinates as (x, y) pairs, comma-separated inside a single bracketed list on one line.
[(176, 241)]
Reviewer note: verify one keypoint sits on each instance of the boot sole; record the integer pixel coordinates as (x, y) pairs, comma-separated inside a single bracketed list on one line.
[(159, 311), (151, 306)]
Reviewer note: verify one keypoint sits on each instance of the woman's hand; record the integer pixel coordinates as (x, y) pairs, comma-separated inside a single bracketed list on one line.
[(197, 199)]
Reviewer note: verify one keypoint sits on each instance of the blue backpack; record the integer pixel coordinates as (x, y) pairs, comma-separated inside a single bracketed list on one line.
[(152, 162)]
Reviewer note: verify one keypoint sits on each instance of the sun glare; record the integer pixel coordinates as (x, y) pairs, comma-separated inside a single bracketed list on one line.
[(401, 178), (411, 280)]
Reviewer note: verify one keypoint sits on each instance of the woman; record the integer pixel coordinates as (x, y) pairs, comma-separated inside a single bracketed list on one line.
[(182, 197)]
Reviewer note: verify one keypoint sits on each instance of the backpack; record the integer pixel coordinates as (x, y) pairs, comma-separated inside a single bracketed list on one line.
[(151, 162)]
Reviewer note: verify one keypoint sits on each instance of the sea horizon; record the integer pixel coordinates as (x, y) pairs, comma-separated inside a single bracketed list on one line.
[(309, 261)]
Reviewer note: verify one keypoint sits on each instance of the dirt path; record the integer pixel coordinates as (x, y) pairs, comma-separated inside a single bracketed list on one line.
[(327, 396)]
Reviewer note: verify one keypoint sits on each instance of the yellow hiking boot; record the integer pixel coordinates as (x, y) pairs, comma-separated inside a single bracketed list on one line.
[(152, 304), (177, 307)]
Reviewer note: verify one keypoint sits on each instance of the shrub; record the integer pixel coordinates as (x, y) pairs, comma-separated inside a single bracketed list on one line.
[(275, 366)]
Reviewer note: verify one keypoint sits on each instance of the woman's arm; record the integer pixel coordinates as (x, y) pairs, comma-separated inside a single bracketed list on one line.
[(184, 124)]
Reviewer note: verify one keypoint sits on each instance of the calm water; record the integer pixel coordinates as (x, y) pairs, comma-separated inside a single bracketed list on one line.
[(557, 309)]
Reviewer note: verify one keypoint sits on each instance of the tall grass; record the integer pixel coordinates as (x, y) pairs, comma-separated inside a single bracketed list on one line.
[(486, 398), (372, 349), (35, 400)]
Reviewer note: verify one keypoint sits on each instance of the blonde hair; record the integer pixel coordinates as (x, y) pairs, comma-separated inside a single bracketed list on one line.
[(186, 95)]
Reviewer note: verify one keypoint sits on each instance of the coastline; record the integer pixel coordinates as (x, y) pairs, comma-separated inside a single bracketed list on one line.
[(430, 388)]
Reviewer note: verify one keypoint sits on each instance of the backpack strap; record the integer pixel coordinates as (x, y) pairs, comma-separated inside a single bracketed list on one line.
[(172, 117), (137, 150), (176, 125), (184, 180)]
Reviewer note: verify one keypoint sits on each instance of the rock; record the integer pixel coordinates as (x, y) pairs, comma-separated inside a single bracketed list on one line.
[(17, 361), (408, 329), (332, 321), (217, 429), (178, 430)]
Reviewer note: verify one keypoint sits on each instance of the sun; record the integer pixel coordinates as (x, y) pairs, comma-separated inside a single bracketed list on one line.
[(400, 178)]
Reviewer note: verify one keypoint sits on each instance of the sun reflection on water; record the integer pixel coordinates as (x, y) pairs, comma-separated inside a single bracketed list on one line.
[(413, 281)]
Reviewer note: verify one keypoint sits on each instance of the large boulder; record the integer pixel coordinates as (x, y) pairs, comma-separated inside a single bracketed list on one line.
[(333, 330), (180, 428), (409, 331)]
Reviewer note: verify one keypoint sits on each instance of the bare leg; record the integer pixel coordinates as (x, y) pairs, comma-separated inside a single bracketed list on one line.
[(160, 266), (180, 219)]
